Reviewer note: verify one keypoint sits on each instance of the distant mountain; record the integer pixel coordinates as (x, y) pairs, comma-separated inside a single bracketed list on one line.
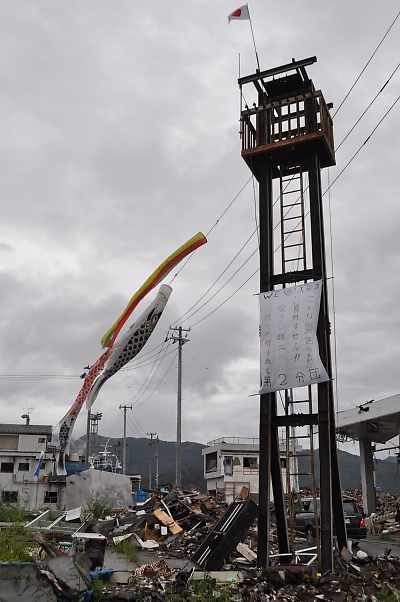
[(387, 472), (138, 459)]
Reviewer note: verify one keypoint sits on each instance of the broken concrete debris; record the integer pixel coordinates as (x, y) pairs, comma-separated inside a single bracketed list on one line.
[(169, 532)]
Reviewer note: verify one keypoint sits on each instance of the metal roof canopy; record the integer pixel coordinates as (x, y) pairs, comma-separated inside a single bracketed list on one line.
[(376, 421)]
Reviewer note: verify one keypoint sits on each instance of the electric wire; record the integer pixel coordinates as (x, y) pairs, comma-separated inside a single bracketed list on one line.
[(257, 228), (148, 363), (333, 302), (222, 287), (329, 187), (226, 300), (216, 373), (362, 145), (368, 107), (139, 430), (136, 362), (215, 281), (40, 376), (165, 374), (151, 376), (368, 62), (212, 228)]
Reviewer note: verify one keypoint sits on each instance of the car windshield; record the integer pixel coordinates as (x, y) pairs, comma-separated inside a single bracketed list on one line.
[(350, 508)]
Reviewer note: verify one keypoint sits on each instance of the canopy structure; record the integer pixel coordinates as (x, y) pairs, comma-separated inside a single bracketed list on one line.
[(371, 422), (376, 421)]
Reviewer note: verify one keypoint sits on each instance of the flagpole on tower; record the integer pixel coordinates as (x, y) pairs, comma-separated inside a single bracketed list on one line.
[(243, 14), (254, 42)]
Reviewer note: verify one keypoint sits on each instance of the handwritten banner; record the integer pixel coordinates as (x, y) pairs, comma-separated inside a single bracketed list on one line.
[(289, 346)]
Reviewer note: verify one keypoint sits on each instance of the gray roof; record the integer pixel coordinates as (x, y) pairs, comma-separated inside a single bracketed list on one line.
[(25, 429)]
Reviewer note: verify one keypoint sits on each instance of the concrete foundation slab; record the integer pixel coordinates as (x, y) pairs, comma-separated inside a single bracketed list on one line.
[(20, 582)]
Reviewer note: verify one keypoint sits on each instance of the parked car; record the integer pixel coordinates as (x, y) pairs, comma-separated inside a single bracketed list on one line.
[(353, 517)]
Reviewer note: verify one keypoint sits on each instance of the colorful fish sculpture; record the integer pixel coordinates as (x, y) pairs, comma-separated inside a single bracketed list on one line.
[(66, 424), (132, 342)]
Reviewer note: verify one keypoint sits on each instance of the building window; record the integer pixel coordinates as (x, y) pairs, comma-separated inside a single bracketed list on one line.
[(42, 440), (283, 462), (228, 465), (23, 467), (250, 465), (9, 496), (211, 462), (8, 442), (7, 467), (50, 497)]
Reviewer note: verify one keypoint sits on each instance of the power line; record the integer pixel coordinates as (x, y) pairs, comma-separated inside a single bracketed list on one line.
[(212, 228), (363, 144), (368, 62), (216, 373), (368, 107), (39, 376)]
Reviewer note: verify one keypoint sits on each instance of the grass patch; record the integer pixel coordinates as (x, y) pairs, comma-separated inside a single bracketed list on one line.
[(386, 594), (128, 547), (14, 544), (11, 512), (386, 537), (97, 588), (98, 508)]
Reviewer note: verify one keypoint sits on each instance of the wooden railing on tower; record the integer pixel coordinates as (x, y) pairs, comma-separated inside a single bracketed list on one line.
[(275, 125)]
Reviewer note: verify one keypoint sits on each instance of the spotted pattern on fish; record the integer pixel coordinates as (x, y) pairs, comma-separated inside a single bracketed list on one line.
[(132, 342), (67, 423)]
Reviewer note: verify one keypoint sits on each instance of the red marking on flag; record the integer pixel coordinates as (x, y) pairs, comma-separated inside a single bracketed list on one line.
[(237, 13)]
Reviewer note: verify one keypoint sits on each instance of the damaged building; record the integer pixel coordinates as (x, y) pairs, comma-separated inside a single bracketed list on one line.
[(232, 463)]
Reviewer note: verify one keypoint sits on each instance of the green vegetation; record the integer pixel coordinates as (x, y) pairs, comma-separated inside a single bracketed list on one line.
[(14, 540), (97, 588), (127, 547), (11, 512), (98, 508), (14, 544), (387, 594), (386, 537), (204, 590)]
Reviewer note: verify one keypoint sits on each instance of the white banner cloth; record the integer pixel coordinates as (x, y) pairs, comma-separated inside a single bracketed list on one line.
[(289, 347)]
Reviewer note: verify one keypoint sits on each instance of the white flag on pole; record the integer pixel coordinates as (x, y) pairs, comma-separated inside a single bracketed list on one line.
[(240, 14), (289, 347)]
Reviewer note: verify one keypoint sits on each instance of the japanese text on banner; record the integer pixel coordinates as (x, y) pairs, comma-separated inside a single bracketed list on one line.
[(288, 332)]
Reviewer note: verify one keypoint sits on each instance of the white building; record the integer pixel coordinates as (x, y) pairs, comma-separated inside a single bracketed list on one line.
[(231, 463), (21, 447)]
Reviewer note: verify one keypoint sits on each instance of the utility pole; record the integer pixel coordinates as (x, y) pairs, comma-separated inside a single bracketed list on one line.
[(157, 465), (124, 466), (87, 453), (92, 429), (151, 455), (181, 341)]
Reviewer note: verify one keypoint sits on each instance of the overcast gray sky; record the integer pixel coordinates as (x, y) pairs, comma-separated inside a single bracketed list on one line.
[(120, 141)]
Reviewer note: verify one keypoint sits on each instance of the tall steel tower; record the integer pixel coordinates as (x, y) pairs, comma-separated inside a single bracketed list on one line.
[(287, 139)]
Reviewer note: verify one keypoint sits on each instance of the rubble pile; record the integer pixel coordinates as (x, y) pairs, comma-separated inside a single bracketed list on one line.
[(168, 520), (365, 579), (170, 528)]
